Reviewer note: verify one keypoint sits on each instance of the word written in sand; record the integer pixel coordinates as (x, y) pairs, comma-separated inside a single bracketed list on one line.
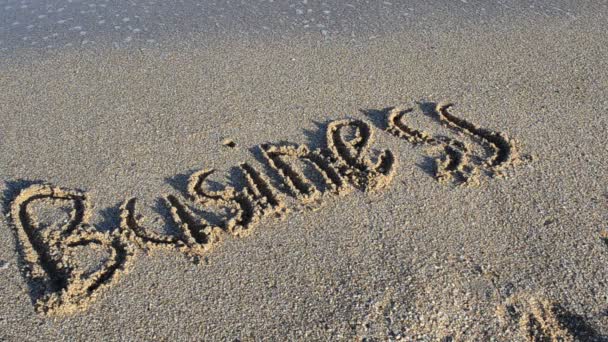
[(61, 285)]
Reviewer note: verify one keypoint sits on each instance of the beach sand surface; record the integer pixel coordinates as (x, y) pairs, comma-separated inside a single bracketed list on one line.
[(518, 256)]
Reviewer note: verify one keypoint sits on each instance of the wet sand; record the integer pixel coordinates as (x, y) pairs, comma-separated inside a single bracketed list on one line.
[(514, 255)]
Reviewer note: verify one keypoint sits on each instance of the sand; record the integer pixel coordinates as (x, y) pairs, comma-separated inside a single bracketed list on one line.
[(319, 188)]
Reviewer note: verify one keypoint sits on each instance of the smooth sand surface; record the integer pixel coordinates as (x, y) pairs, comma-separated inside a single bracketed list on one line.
[(516, 257)]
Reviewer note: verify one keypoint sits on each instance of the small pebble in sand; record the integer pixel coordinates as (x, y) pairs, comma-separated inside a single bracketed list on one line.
[(229, 143), (604, 236)]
